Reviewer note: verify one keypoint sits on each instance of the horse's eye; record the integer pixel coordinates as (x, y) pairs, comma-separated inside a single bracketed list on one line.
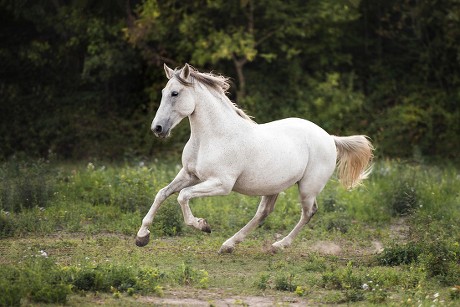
[(174, 93)]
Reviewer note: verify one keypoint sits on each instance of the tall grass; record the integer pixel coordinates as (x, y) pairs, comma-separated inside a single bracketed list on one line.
[(43, 197)]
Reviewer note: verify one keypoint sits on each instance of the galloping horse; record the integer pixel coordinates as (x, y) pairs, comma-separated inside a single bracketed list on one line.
[(227, 151)]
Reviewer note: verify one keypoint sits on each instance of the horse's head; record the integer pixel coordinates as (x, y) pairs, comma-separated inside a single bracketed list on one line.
[(177, 101)]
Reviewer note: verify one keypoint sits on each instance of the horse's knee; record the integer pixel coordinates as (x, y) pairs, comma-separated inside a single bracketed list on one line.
[(309, 208), (184, 197)]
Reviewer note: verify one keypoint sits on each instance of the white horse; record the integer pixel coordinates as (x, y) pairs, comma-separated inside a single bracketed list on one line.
[(227, 151)]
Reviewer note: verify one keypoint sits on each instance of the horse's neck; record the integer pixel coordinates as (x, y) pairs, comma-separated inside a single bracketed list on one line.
[(213, 116)]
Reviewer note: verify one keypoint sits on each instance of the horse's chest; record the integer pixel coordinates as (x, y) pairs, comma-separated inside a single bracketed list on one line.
[(202, 160)]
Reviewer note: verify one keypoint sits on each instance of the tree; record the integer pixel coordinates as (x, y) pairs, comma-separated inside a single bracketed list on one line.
[(211, 32)]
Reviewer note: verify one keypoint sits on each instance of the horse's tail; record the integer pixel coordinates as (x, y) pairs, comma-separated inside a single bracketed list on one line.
[(354, 155)]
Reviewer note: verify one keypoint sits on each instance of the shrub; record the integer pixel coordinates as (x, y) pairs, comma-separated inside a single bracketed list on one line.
[(88, 279), (6, 224), (169, 219), (40, 280), (12, 291), (25, 185), (285, 282), (148, 281), (187, 275), (441, 260), (399, 254), (264, 279)]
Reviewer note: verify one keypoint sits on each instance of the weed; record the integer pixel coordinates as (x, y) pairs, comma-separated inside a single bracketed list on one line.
[(285, 282), (441, 260), (263, 282), (11, 289), (346, 280), (300, 291), (342, 278), (337, 222), (187, 275), (315, 263), (399, 254), (87, 280), (169, 220), (148, 281)]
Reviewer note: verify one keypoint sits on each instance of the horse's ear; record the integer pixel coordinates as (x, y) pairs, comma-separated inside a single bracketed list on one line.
[(185, 72), (169, 72)]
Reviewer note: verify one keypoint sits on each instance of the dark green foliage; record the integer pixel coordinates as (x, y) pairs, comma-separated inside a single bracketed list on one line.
[(6, 225), (442, 261), (336, 222), (169, 220), (25, 185), (438, 259), (41, 280), (342, 279), (88, 279), (347, 280), (83, 78), (400, 254), (285, 282), (11, 290)]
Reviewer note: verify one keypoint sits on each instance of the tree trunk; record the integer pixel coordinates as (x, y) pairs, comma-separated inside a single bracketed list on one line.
[(241, 90)]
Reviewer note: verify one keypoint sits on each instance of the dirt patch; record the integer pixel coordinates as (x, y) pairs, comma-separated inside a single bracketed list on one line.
[(400, 230), (327, 248), (210, 298)]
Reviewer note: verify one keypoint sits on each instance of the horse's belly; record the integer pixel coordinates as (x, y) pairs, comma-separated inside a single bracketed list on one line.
[(265, 186), (271, 176)]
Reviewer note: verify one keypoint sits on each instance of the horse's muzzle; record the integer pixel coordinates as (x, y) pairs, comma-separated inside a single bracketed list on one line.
[(160, 131)]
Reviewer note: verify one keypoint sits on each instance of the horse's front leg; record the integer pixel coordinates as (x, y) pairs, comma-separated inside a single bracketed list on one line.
[(210, 187), (182, 180)]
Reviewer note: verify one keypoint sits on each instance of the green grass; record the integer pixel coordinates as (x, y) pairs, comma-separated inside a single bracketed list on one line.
[(85, 217)]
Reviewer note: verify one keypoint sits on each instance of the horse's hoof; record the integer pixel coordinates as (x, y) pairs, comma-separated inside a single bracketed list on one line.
[(226, 249), (204, 226), (277, 247), (142, 241)]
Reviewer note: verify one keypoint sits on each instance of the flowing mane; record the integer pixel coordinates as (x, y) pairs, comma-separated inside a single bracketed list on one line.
[(217, 82)]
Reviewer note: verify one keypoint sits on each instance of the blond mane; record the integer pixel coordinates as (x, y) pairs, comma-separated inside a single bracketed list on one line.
[(217, 82)]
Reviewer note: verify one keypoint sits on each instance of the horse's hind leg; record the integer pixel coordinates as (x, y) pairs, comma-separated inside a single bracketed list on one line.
[(309, 208), (266, 206)]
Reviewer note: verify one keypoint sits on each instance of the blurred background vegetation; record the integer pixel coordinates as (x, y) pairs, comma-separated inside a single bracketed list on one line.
[(82, 79)]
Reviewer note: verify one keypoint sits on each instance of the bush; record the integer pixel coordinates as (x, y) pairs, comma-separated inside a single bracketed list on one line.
[(12, 291), (345, 280), (87, 280), (25, 185), (441, 260), (285, 282), (169, 219), (341, 279), (399, 254)]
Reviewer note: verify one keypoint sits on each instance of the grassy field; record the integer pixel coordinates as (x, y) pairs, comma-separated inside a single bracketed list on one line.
[(67, 237)]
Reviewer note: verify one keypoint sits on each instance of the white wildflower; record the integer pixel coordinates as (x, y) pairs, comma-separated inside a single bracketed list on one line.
[(90, 166)]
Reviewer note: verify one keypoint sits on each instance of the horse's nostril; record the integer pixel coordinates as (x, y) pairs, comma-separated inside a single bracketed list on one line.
[(158, 129)]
